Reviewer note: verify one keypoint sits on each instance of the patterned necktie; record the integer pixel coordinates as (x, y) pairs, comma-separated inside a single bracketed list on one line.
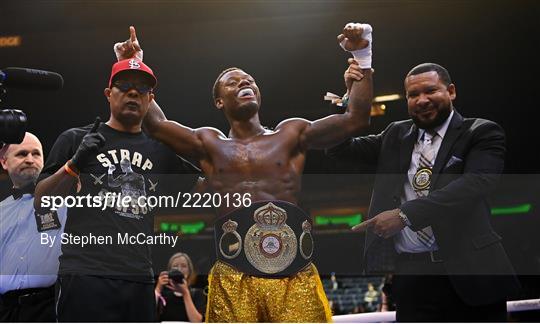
[(426, 160)]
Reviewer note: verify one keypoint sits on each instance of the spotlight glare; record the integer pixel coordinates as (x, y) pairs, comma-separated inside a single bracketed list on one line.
[(386, 98)]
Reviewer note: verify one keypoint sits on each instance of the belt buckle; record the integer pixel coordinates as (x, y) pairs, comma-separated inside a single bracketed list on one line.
[(433, 257)]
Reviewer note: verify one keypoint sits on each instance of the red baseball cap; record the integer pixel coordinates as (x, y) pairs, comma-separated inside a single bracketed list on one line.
[(132, 64)]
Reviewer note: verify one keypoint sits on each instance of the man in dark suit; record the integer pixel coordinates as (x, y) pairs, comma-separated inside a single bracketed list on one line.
[(429, 216)]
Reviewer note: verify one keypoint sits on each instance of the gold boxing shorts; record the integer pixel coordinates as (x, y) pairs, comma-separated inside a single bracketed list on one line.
[(237, 297)]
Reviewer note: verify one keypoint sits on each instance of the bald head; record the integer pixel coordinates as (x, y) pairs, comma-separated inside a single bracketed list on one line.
[(23, 162)]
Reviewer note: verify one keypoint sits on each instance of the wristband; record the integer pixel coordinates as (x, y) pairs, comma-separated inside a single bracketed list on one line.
[(344, 100), (70, 171)]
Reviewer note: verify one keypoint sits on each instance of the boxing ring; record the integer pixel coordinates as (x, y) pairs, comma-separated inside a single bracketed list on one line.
[(385, 317)]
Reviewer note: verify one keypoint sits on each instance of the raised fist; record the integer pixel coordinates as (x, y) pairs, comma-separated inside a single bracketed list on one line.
[(353, 37), (357, 39)]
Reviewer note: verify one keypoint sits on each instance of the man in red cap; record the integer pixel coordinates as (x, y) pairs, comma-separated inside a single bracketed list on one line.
[(102, 276)]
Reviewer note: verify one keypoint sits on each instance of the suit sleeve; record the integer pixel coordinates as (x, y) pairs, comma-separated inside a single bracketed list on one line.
[(483, 165), (364, 149)]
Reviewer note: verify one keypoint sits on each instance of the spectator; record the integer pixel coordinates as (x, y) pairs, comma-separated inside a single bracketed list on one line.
[(335, 284), (176, 301), (371, 298)]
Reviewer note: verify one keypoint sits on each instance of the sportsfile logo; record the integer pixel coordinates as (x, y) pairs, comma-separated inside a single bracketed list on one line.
[(118, 200)]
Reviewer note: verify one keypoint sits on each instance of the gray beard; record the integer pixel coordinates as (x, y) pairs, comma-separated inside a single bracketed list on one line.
[(21, 181)]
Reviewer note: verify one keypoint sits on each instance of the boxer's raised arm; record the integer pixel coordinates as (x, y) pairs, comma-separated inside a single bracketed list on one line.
[(334, 129), (182, 139), (128, 48)]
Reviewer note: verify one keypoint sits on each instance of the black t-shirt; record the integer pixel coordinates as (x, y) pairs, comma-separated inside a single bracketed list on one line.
[(175, 309), (143, 166)]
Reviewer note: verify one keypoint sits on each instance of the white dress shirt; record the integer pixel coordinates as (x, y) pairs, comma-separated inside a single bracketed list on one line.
[(24, 261), (406, 240)]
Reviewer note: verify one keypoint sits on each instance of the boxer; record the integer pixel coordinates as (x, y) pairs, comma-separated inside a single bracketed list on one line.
[(259, 275)]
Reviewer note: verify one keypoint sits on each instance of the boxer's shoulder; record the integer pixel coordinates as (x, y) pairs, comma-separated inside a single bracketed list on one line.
[(293, 122), (210, 133)]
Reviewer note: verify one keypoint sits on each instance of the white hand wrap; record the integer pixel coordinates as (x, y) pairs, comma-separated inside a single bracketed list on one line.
[(362, 56), (117, 48)]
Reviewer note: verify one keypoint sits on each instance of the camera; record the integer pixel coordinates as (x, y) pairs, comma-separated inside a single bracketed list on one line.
[(13, 122), (176, 276), (12, 126)]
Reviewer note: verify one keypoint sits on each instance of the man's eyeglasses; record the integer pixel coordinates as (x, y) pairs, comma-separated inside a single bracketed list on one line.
[(126, 86)]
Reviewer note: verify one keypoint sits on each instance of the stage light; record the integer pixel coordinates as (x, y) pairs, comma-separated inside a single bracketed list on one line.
[(184, 228), (511, 210), (10, 41), (386, 98), (350, 220)]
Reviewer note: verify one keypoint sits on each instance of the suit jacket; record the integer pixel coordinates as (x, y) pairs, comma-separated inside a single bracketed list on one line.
[(467, 167)]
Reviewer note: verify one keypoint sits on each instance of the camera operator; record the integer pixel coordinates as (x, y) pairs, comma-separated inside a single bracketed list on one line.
[(175, 300), (28, 268)]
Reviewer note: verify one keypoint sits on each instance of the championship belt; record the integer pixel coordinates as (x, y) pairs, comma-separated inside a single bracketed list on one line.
[(268, 239)]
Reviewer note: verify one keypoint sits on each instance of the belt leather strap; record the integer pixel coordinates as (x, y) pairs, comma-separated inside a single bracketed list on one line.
[(26, 296)]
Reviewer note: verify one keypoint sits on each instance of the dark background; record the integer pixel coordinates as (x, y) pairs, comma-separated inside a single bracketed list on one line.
[(489, 48), (289, 47)]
